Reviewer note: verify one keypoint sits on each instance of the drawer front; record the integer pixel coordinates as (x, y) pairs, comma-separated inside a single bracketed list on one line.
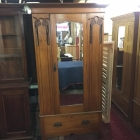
[(121, 103), (60, 125), (136, 115)]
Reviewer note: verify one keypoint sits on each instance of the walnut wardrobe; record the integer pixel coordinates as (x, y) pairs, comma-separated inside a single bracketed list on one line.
[(57, 28)]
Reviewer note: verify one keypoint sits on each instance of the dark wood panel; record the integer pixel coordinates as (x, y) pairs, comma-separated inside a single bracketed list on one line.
[(137, 73), (128, 51), (121, 102), (14, 108), (13, 57), (136, 115), (15, 117)]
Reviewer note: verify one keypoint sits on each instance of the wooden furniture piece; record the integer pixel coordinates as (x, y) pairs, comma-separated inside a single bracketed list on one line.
[(72, 50), (14, 103), (136, 97), (75, 119), (125, 35), (107, 71)]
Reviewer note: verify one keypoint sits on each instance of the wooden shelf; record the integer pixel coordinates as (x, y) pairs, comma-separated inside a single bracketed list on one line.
[(9, 35), (10, 55), (19, 48)]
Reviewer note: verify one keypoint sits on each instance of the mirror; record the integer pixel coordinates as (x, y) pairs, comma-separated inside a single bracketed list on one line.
[(120, 53), (70, 62)]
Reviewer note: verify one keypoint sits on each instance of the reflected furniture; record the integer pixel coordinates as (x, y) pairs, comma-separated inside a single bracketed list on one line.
[(66, 57), (14, 103), (57, 120), (72, 50), (125, 35)]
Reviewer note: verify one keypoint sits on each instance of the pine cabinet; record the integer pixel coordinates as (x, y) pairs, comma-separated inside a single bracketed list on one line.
[(125, 35), (68, 42)]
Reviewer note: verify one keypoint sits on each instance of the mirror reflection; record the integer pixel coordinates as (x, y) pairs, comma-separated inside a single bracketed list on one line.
[(120, 53), (70, 62)]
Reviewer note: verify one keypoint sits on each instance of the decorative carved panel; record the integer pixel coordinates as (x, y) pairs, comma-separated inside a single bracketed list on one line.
[(93, 21), (44, 22)]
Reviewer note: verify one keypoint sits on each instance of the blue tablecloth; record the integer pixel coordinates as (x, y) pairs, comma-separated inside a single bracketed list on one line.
[(70, 72)]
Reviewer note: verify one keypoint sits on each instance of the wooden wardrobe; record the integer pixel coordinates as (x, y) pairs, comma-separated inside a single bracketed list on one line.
[(79, 118), (136, 96), (125, 35)]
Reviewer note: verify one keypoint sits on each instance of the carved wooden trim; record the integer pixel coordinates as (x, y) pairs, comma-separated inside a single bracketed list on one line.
[(45, 22), (93, 21)]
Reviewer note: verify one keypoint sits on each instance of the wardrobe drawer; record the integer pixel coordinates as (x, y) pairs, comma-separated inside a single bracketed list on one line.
[(121, 103), (136, 115), (60, 125)]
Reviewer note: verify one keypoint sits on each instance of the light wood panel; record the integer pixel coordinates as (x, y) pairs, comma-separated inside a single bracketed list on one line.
[(71, 109), (79, 123), (95, 54), (54, 73), (44, 64), (68, 17)]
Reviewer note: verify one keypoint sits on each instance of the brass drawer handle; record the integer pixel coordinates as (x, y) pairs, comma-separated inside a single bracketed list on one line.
[(85, 122), (57, 124)]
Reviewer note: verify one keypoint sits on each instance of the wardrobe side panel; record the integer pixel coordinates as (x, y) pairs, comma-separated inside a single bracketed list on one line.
[(41, 29)]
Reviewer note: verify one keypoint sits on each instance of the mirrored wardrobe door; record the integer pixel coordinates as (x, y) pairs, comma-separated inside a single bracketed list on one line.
[(69, 62)]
